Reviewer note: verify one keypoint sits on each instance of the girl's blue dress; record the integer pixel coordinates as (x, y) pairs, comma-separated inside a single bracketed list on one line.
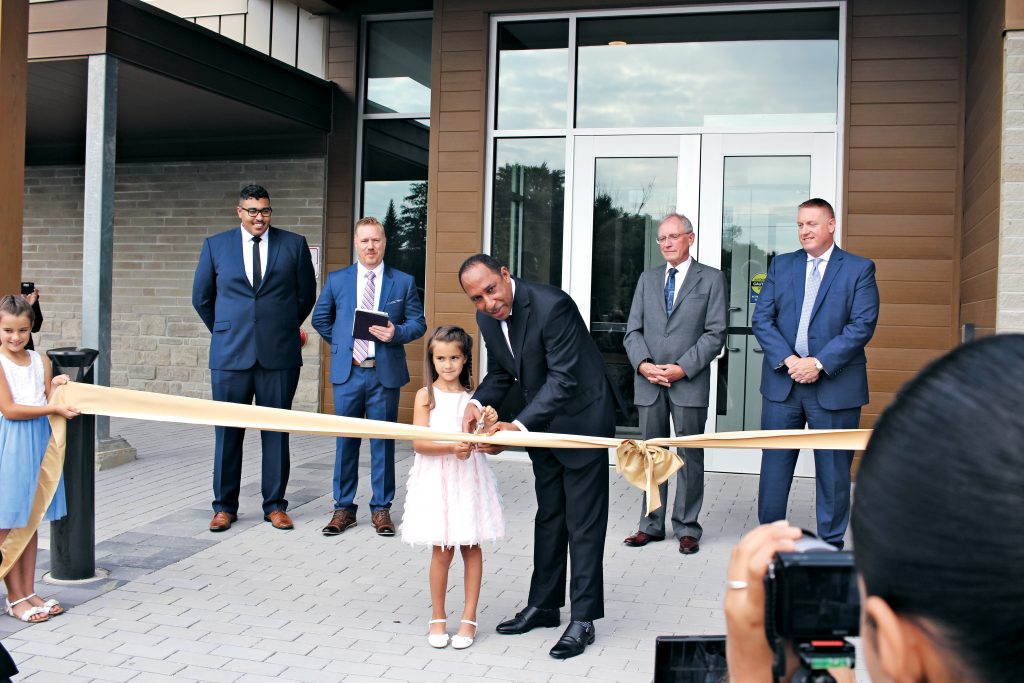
[(22, 447)]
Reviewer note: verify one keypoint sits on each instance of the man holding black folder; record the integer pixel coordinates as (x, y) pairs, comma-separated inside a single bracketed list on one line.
[(367, 313)]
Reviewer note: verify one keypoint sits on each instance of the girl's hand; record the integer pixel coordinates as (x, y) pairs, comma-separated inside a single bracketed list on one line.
[(68, 412), (59, 380), (489, 416), (463, 450)]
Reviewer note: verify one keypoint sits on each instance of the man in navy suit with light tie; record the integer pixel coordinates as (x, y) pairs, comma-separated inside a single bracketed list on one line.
[(253, 287), (816, 313), (367, 375)]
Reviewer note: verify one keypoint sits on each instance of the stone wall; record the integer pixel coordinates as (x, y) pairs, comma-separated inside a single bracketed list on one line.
[(163, 211), (1010, 304)]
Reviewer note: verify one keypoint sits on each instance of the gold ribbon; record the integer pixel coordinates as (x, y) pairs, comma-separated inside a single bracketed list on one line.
[(643, 464)]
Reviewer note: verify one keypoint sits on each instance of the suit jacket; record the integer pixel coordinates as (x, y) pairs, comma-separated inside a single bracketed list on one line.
[(690, 338), (556, 363), (259, 326), (335, 309), (842, 322)]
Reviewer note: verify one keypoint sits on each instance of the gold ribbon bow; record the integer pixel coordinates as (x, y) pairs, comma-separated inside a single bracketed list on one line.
[(646, 466)]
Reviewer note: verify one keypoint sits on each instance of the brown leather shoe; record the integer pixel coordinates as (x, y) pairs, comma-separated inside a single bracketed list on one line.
[(222, 521), (640, 539), (381, 520), (688, 545), (279, 519), (340, 520)]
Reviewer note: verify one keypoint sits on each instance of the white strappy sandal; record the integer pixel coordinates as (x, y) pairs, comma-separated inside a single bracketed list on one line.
[(29, 613), (462, 642), (49, 605), (437, 640)]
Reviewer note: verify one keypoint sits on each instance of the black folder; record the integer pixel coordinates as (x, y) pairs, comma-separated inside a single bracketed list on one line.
[(363, 319)]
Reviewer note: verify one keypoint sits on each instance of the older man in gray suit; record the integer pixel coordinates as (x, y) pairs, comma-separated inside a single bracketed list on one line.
[(676, 328)]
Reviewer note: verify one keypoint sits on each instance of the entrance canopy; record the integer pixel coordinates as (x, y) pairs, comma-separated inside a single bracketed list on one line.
[(182, 91)]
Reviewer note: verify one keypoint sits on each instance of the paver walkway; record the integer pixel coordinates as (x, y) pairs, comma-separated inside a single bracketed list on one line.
[(257, 604)]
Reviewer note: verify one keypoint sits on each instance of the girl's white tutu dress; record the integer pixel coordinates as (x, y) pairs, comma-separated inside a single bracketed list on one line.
[(448, 501), (22, 447)]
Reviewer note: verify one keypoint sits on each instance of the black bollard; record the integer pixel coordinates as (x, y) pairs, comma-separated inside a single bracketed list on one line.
[(73, 539)]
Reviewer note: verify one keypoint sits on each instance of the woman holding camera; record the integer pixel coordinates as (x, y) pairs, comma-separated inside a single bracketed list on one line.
[(938, 532)]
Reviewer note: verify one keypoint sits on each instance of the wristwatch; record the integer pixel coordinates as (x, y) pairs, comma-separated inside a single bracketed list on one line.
[(818, 365)]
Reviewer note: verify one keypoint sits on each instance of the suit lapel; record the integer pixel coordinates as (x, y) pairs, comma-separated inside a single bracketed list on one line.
[(799, 279), (831, 271), (273, 248), (693, 277), (520, 320), (386, 283)]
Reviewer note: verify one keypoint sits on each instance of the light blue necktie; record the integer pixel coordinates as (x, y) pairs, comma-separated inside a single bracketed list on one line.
[(810, 294), (670, 290)]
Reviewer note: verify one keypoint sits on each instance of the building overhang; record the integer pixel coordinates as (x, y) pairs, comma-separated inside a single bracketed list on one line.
[(184, 92)]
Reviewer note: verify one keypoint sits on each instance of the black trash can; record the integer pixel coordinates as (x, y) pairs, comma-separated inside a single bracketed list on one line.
[(73, 539)]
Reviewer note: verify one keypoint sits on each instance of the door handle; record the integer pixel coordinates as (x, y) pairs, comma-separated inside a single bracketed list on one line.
[(732, 350), (734, 308), (757, 350)]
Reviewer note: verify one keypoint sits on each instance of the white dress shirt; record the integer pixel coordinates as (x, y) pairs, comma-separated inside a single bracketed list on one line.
[(247, 253), (821, 266)]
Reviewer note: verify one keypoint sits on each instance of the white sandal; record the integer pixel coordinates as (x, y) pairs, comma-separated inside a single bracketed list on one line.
[(437, 640), (48, 605), (462, 642), (29, 613)]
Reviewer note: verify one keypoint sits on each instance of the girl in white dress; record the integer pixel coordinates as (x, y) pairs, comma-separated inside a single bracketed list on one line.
[(25, 386), (452, 496)]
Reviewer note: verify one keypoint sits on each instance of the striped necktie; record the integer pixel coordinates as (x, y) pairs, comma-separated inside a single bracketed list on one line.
[(361, 347), (670, 290)]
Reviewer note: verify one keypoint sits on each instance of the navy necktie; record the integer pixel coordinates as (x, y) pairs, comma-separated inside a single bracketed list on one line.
[(670, 290)]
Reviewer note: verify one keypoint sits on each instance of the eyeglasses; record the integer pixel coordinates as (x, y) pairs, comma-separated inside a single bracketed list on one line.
[(671, 237), (263, 212)]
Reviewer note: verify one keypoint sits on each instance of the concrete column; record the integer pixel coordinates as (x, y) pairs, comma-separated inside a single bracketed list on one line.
[(14, 76), (98, 238)]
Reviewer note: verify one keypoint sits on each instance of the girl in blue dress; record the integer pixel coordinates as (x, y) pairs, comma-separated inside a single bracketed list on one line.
[(24, 434)]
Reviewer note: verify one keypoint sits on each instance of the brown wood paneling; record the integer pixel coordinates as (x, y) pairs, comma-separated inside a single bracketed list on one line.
[(903, 136), (888, 380), (872, 92), (905, 114), (893, 158), (14, 22), (913, 359), (888, 7), (907, 47), (881, 224), (916, 293), (902, 247), (914, 270), (925, 315), (881, 180), (897, 203), (941, 24), (983, 115), (909, 70)]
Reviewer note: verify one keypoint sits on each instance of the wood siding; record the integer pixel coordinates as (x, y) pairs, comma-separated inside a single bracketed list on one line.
[(982, 145), (903, 178), (14, 76)]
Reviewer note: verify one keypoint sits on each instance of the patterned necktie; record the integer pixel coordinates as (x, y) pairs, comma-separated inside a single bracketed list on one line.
[(670, 290), (257, 266), (810, 294), (361, 347)]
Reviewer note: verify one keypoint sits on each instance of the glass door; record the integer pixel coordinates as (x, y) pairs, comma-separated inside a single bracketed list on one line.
[(622, 187), (752, 185)]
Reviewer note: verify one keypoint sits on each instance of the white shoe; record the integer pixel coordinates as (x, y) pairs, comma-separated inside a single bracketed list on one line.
[(462, 642), (30, 615), (437, 640)]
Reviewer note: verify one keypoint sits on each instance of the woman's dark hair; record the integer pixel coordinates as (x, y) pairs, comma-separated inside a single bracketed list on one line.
[(448, 333), (17, 305), (938, 518)]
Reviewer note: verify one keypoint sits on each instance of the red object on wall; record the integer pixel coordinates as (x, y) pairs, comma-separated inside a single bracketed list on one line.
[(303, 337)]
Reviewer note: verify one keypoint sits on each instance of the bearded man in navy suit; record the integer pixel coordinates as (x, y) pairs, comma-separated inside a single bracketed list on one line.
[(816, 313), (253, 287), (367, 375)]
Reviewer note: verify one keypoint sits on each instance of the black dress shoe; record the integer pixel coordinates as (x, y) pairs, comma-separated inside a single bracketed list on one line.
[(529, 619), (574, 641)]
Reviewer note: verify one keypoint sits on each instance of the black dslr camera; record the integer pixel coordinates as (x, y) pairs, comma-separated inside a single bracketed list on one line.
[(812, 601)]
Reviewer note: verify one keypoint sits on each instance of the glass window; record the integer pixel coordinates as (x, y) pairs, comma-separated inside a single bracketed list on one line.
[(395, 190), (737, 68), (527, 216), (533, 74), (398, 67)]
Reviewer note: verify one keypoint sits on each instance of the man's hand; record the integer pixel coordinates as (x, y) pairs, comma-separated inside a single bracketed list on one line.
[(470, 418), (662, 375), (803, 371), (382, 333), (503, 427), (671, 373)]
